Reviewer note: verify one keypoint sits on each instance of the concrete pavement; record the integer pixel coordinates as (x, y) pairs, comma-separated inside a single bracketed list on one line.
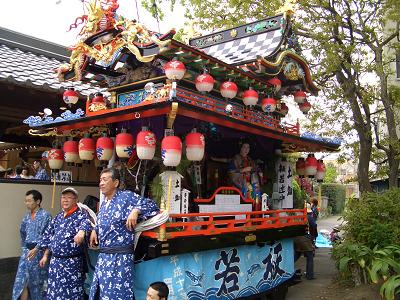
[(324, 269)]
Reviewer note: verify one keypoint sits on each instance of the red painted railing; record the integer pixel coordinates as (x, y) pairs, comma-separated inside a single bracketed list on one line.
[(205, 224)]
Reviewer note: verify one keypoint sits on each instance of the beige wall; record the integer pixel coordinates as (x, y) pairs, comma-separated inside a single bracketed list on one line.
[(13, 209)]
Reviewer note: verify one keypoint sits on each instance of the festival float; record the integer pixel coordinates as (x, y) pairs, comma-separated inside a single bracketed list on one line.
[(172, 115)]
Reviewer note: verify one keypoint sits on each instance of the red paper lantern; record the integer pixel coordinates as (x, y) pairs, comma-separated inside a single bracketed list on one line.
[(104, 148), (268, 105), (204, 82), (305, 107), (174, 70), (321, 170), (299, 97), (195, 144), (228, 89), (124, 144), (284, 109), (98, 98), (146, 144), (171, 151), (55, 159), (87, 148), (70, 96), (71, 151), (301, 167), (276, 83), (250, 97), (311, 165)]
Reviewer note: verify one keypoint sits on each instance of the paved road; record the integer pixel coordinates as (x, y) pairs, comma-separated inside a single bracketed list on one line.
[(324, 268)]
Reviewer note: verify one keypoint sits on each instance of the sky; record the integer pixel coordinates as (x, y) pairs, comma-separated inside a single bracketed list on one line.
[(50, 19)]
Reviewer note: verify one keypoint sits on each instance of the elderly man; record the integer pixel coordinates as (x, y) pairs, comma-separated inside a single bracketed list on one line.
[(41, 173), (118, 215), (64, 239), (30, 279)]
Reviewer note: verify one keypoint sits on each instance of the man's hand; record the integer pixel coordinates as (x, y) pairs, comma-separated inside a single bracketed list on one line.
[(93, 241), (132, 219), (44, 259), (79, 237), (32, 253)]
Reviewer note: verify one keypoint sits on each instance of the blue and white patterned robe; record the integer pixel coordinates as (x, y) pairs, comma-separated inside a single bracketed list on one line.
[(66, 275), (114, 273), (41, 174), (29, 273)]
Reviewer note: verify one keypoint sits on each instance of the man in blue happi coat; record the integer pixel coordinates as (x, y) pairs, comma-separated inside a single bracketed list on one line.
[(64, 239), (30, 279), (118, 215)]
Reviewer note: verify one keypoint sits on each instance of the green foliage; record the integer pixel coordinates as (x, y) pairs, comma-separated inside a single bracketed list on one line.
[(299, 195), (331, 173), (336, 194), (366, 265), (374, 220)]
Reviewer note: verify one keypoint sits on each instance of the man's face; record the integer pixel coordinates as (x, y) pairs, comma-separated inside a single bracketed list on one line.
[(30, 203), (152, 294), (68, 200), (107, 184)]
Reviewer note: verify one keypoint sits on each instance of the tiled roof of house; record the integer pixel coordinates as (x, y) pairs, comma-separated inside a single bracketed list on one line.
[(32, 62)]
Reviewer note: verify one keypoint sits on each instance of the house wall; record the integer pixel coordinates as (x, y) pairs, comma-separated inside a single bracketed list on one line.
[(13, 209)]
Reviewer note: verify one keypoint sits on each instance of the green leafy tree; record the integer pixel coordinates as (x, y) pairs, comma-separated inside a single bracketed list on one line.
[(331, 173), (347, 40)]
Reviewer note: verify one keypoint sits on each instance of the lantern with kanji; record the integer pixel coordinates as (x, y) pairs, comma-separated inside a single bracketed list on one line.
[(55, 159), (284, 109), (146, 144), (174, 70), (87, 148), (195, 144), (321, 170), (104, 148), (250, 97), (171, 151), (71, 151), (228, 89), (204, 82), (124, 144), (70, 96), (301, 167), (299, 97), (311, 165), (305, 107), (268, 105), (276, 83)]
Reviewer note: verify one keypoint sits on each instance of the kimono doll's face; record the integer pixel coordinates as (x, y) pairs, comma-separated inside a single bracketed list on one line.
[(245, 149), (30, 203)]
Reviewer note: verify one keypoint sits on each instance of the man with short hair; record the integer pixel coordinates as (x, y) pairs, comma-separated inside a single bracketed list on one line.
[(114, 232), (64, 239), (157, 291), (30, 279), (41, 173)]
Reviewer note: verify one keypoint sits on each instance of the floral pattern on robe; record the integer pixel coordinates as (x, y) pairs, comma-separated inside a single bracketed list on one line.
[(114, 273), (29, 273), (66, 274)]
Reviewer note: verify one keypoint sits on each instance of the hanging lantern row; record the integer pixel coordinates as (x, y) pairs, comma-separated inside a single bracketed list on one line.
[(175, 70), (86, 149), (311, 167)]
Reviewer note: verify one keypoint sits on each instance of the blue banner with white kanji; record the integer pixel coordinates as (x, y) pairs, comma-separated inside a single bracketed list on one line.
[(219, 274)]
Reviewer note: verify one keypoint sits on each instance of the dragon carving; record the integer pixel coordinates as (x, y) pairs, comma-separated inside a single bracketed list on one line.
[(98, 19)]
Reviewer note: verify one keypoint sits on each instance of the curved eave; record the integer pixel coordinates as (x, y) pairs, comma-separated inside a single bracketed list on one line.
[(310, 86)]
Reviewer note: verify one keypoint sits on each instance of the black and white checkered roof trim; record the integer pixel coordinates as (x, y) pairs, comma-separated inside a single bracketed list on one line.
[(247, 48)]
